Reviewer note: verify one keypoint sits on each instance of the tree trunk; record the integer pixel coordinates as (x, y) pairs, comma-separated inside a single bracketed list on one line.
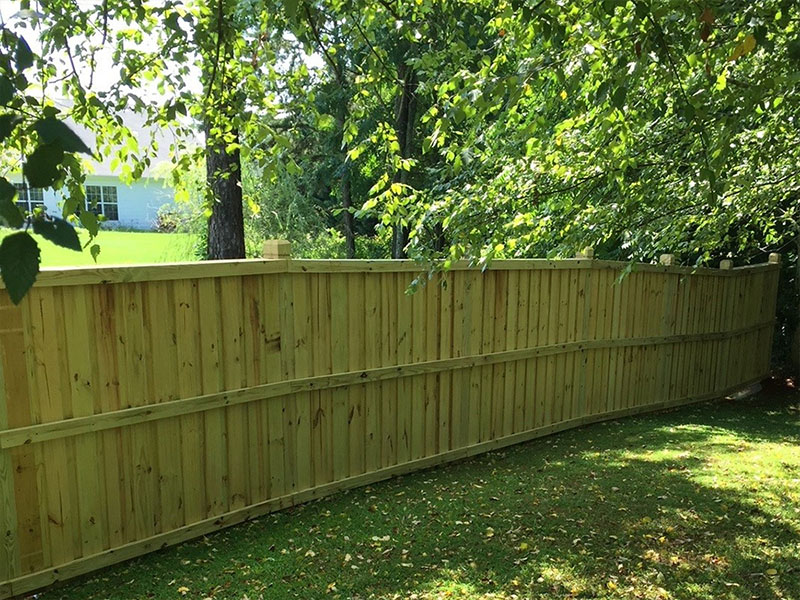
[(226, 224), (349, 233), (405, 115), (439, 239), (347, 192)]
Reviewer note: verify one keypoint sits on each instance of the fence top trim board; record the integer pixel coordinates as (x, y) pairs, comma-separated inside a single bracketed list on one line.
[(60, 276)]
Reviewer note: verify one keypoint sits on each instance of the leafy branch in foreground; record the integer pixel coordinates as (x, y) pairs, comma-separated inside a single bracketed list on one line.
[(32, 128)]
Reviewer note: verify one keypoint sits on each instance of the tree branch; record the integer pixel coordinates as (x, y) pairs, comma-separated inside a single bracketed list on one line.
[(329, 59), (676, 76), (220, 18)]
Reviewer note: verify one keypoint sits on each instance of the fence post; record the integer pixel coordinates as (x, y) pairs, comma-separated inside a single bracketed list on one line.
[(774, 259), (9, 541), (583, 359), (726, 264), (667, 327), (277, 249)]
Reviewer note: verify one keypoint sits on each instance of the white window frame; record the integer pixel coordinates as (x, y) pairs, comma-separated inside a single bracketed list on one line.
[(103, 201), (24, 199)]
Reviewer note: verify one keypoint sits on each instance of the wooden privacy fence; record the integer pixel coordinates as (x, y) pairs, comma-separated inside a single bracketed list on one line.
[(143, 406)]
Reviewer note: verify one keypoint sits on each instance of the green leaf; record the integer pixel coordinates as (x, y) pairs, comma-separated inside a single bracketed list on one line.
[(9, 211), (95, 250), (793, 49), (619, 96), (89, 220), (7, 125), (19, 264), (51, 129), (610, 6), (41, 167), (23, 55), (58, 231), (7, 90), (172, 21)]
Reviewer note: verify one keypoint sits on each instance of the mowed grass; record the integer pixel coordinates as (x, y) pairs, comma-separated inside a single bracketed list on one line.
[(117, 248), (698, 503)]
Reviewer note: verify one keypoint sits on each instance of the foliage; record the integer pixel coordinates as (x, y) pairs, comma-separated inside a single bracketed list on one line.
[(170, 219), (648, 128), (696, 503), (545, 127), (301, 203), (282, 208)]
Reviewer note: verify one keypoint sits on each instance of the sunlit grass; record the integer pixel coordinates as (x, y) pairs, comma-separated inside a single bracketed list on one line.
[(700, 503), (119, 247)]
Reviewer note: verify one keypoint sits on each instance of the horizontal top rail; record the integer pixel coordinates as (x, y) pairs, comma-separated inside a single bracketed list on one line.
[(64, 276)]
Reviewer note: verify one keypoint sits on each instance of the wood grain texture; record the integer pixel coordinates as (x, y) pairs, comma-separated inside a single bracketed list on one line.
[(180, 399), (9, 535)]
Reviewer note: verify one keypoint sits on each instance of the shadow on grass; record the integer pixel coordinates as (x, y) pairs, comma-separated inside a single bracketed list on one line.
[(701, 502)]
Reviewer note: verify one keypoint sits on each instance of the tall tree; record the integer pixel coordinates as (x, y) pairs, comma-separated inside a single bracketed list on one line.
[(338, 57), (223, 172), (405, 124), (223, 107)]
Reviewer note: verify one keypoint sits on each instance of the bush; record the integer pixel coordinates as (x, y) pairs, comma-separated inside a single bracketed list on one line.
[(185, 218), (171, 219)]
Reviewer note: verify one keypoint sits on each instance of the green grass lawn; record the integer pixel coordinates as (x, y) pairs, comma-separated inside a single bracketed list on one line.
[(698, 503), (119, 247)]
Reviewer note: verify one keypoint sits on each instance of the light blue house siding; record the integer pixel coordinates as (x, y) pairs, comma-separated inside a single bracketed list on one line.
[(128, 206), (132, 206)]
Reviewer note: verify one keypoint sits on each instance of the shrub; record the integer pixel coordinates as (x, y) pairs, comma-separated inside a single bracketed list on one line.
[(168, 219)]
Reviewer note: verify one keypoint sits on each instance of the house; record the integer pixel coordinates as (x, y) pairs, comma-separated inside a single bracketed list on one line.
[(125, 206)]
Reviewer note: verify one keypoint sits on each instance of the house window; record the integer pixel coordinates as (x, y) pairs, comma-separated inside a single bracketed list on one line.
[(102, 200), (29, 199)]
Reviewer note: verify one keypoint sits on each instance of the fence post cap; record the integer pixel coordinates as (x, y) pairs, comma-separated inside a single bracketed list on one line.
[(726, 264), (277, 249), (668, 260), (587, 252), (774, 258)]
